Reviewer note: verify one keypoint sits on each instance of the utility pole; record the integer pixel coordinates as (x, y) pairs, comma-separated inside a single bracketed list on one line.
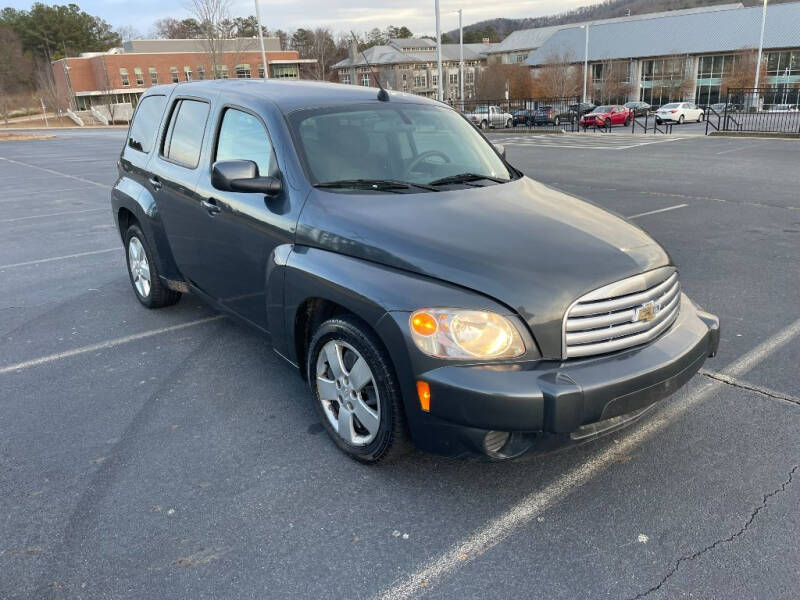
[(261, 41), (439, 95), (460, 59), (760, 50), (586, 60)]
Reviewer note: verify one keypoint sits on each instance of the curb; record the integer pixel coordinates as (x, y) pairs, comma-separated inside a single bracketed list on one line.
[(771, 135)]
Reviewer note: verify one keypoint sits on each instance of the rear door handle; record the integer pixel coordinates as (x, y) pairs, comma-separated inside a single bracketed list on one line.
[(211, 206), (156, 183)]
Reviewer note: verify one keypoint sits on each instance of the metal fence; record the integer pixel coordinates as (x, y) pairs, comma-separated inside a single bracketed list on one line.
[(523, 114), (772, 109)]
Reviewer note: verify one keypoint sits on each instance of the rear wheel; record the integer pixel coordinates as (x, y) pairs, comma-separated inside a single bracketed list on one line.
[(143, 271), (484, 125), (681, 120), (356, 394), (701, 117), (508, 124), (607, 123)]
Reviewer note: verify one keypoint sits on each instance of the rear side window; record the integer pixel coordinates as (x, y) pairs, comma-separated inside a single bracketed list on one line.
[(142, 135), (184, 138), (242, 137)]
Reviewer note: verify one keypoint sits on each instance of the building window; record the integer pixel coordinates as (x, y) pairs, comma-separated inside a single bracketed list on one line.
[(286, 71), (174, 72), (783, 64), (153, 76), (124, 74), (365, 80), (435, 79), (345, 78), (420, 81), (137, 72), (470, 77), (243, 71), (201, 72), (222, 72), (187, 73), (453, 78)]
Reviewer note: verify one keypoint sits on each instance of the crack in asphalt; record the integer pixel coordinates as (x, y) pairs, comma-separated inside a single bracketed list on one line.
[(750, 387), (731, 538)]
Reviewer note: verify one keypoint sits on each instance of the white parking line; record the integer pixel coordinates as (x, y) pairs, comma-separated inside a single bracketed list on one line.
[(46, 194), (58, 214), (534, 504), (54, 258), (103, 345), (741, 148), (660, 210), (51, 171)]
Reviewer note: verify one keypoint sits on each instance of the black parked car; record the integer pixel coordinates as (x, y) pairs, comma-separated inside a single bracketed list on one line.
[(582, 108), (523, 117), (424, 287), (639, 109)]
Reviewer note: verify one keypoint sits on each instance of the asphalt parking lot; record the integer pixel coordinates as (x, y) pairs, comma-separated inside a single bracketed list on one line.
[(172, 454)]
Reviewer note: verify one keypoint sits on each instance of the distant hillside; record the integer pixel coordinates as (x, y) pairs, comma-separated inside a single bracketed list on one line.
[(497, 29)]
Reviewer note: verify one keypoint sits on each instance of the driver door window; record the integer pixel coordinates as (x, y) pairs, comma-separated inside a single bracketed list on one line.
[(243, 137)]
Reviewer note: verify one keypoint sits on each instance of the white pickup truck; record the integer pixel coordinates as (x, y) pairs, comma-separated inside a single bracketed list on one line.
[(490, 116)]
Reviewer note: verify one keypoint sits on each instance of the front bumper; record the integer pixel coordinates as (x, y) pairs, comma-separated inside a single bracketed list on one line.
[(563, 397)]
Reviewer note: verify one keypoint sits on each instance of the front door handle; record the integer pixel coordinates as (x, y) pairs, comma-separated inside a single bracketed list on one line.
[(156, 183), (211, 206)]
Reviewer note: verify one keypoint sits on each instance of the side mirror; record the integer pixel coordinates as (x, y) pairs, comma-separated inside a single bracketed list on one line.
[(501, 150), (242, 176)]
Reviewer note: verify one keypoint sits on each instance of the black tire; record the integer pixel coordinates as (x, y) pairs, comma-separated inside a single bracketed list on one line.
[(681, 120), (392, 439), (627, 121), (508, 124), (484, 125), (159, 294), (607, 123), (659, 121), (701, 117)]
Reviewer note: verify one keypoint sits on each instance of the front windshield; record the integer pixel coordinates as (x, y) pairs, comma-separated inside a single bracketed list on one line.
[(603, 109), (392, 142)]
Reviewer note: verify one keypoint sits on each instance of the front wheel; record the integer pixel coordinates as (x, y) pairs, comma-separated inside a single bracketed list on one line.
[(701, 117), (356, 393), (508, 124), (627, 121), (607, 123), (556, 121), (484, 125), (143, 271)]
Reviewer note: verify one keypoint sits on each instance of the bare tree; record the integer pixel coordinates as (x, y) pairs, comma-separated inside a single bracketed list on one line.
[(743, 73), (610, 84), (47, 89), (558, 78), (213, 17), (492, 83)]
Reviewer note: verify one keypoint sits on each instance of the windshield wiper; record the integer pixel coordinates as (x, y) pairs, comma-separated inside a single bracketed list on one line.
[(386, 185), (466, 178)]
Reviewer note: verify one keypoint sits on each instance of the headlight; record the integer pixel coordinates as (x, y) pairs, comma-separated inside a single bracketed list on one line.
[(458, 333)]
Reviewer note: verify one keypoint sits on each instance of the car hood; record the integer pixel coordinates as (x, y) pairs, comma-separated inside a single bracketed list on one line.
[(526, 245)]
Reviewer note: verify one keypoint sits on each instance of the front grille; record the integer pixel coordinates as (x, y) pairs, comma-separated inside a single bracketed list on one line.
[(623, 314)]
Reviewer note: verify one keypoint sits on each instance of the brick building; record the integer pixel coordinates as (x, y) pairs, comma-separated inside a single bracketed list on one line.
[(121, 75)]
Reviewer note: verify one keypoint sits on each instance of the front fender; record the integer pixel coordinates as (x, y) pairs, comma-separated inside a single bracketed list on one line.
[(368, 290)]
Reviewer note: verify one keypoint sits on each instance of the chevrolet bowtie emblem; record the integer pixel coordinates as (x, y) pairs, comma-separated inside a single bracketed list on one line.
[(646, 312)]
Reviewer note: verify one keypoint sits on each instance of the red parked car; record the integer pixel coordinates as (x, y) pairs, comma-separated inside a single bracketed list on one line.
[(606, 116)]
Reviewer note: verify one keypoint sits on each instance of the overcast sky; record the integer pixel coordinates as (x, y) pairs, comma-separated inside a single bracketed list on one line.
[(339, 15)]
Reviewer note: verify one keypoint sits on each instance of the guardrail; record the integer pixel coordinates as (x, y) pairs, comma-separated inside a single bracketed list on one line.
[(774, 109)]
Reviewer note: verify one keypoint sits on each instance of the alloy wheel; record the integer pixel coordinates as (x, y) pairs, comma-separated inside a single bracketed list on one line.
[(139, 267), (346, 388)]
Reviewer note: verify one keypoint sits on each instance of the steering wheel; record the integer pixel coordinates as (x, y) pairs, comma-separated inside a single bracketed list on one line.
[(426, 155)]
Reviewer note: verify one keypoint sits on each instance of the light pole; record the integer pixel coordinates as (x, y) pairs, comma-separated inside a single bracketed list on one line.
[(586, 60), (261, 41), (460, 60), (760, 50), (438, 53)]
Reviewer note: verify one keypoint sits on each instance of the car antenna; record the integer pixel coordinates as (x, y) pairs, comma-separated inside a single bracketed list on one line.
[(383, 95)]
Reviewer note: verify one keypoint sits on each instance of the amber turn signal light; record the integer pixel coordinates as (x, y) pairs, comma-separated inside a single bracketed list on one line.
[(424, 393), (424, 323)]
